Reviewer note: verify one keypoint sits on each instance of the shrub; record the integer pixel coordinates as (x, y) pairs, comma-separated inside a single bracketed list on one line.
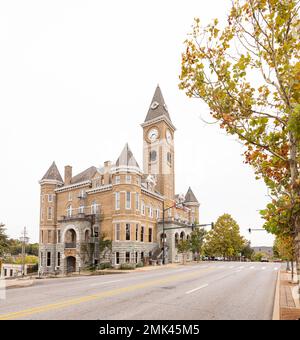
[(105, 265), (128, 266), (140, 265)]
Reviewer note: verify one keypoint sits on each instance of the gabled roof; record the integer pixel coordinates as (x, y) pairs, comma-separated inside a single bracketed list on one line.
[(53, 174), (158, 107), (190, 196), (126, 158), (85, 175)]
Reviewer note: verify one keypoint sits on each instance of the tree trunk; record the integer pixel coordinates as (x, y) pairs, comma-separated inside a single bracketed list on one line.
[(295, 192)]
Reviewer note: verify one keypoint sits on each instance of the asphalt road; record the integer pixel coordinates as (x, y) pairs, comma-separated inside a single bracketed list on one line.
[(219, 290)]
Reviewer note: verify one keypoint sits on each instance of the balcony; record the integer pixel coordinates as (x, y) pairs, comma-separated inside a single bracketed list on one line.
[(71, 245), (82, 216)]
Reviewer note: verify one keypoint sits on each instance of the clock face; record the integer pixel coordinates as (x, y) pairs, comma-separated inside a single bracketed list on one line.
[(153, 135), (169, 136)]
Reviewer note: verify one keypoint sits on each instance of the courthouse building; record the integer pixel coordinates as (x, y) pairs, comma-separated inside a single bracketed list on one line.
[(120, 201)]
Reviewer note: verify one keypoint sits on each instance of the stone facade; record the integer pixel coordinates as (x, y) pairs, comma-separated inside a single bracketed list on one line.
[(118, 202)]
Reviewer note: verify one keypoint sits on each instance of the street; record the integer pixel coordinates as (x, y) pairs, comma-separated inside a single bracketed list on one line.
[(209, 290)]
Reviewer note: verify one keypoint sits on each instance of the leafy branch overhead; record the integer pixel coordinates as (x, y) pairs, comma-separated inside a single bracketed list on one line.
[(248, 73)]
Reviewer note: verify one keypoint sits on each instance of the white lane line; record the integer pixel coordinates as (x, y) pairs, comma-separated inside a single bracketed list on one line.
[(194, 290), (276, 268), (104, 283), (252, 267)]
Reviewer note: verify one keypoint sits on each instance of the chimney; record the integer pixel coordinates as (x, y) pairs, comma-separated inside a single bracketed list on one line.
[(107, 167), (68, 174)]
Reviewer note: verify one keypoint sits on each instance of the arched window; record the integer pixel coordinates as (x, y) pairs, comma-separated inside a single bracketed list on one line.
[(69, 210), (182, 235), (86, 235), (176, 238)]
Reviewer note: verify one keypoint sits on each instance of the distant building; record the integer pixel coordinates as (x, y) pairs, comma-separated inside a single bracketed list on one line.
[(12, 270), (265, 250), (120, 200)]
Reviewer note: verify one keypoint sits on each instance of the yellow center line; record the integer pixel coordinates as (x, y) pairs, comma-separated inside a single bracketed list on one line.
[(87, 298)]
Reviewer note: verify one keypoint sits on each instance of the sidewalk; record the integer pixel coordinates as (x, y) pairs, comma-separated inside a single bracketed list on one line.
[(19, 282), (287, 300)]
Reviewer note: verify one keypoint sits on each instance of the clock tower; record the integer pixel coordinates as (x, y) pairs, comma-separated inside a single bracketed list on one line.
[(158, 149)]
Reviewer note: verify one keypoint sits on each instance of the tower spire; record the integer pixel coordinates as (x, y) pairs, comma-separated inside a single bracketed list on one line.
[(157, 107)]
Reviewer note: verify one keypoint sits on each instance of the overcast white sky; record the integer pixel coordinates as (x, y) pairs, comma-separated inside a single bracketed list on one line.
[(76, 80)]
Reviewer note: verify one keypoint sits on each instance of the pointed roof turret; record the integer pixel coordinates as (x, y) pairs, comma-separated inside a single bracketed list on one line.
[(126, 158), (158, 107), (53, 174), (190, 197)]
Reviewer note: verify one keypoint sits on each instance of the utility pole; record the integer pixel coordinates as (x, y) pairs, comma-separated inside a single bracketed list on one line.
[(24, 239)]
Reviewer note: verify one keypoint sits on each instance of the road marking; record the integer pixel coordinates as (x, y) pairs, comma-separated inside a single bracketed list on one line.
[(276, 268), (252, 267), (263, 268), (93, 297), (196, 289), (103, 283)]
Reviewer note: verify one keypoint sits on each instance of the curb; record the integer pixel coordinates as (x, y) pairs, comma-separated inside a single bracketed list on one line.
[(21, 285), (276, 308)]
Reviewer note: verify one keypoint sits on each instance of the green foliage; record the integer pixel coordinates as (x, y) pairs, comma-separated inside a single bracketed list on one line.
[(140, 265), (197, 241), (225, 239), (105, 244), (248, 73), (257, 257), (284, 248), (127, 266), (3, 240), (247, 251), (29, 259), (105, 265)]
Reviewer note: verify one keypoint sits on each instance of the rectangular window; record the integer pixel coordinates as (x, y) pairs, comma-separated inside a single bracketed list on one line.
[(70, 196), (128, 179), (11, 272), (48, 259), (127, 232), (150, 211), (137, 201), (150, 235), (5, 272), (128, 200), (136, 257), (117, 258), (127, 257), (42, 236), (142, 233), (136, 232), (117, 180), (142, 256), (118, 232), (50, 198), (143, 208), (157, 213), (58, 259), (58, 236), (49, 213), (49, 236), (117, 203)]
